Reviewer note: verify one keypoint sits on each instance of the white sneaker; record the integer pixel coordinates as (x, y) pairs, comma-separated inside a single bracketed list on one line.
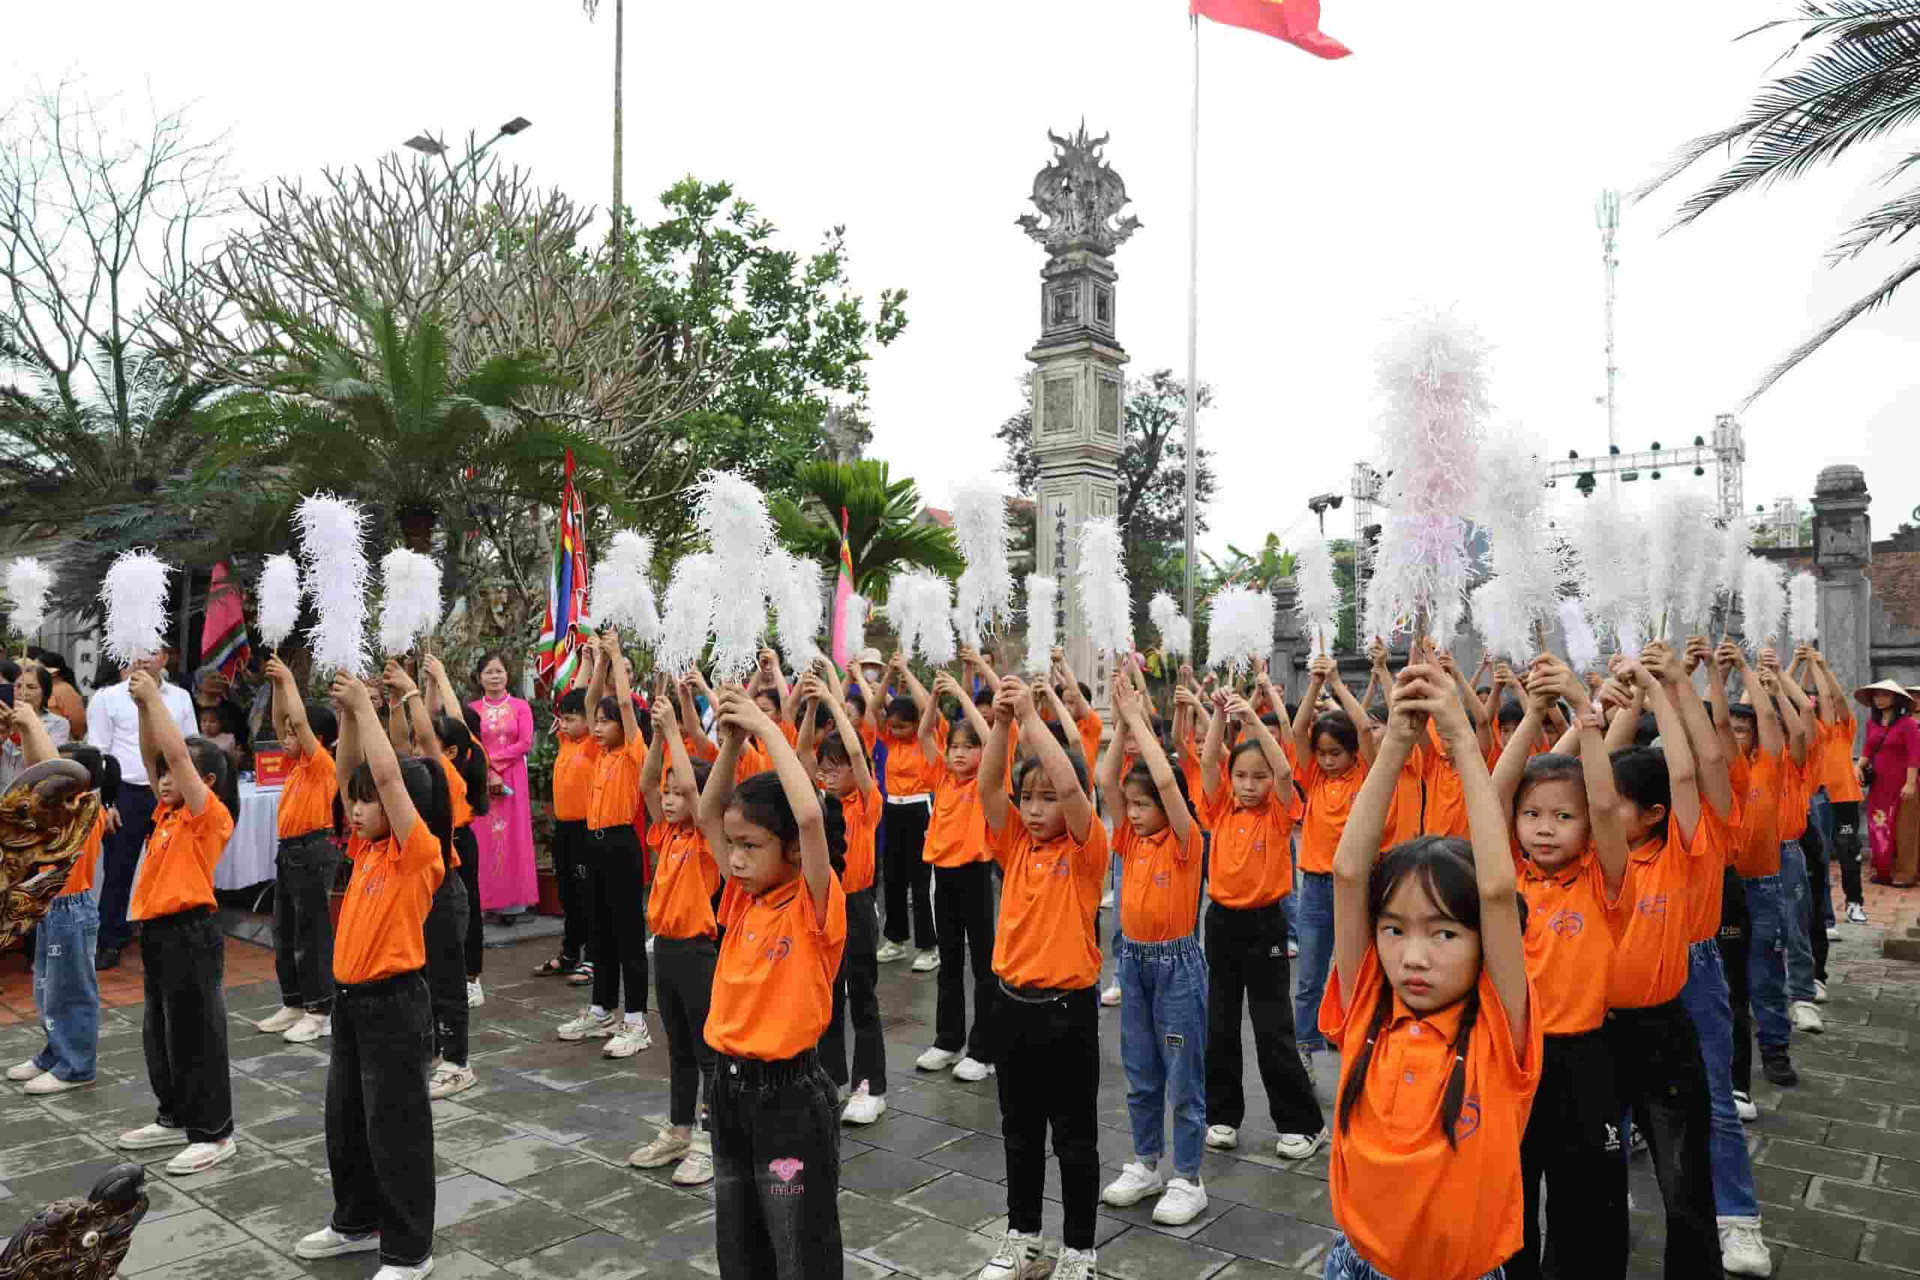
[(328, 1243), (972, 1070), (629, 1039), (1856, 913), (21, 1072), (310, 1028), (1744, 1108), (1742, 1251), (475, 998), (149, 1136), (863, 1107), (448, 1079), (936, 1060), (1222, 1137), (697, 1169), (1074, 1264), (1183, 1202), (1299, 1146), (1135, 1183), (1019, 1257), (391, 1272), (1819, 991), (1111, 996), (926, 962), (663, 1150), (1293, 949), (889, 951), (1806, 1017), (1106, 900), (202, 1156), (283, 1017), (587, 1026), (47, 1082), (1833, 933)]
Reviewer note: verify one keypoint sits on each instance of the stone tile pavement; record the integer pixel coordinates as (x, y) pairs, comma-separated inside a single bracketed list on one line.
[(533, 1181)]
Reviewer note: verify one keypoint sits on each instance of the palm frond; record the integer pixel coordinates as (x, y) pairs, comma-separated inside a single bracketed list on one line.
[(1877, 298), (1891, 221)]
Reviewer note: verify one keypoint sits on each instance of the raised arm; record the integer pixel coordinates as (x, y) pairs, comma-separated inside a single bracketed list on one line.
[(1471, 701), (1354, 712), (289, 706), (36, 745), (1256, 729), (739, 712), (1832, 699), (995, 805), (653, 768), (1709, 753), (160, 733), (1518, 749), (1772, 740), (1366, 827), (1318, 671), (928, 731), (915, 690), (850, 738), (690, 717), (1130, 717), (1108, 779), (1630, 702), (1797, 715), (981, 668), (1213, 755), (719, 790), (622, 690), (404, 693), (352, 695), (1076, 701), (1682, 773), (1074, 802)]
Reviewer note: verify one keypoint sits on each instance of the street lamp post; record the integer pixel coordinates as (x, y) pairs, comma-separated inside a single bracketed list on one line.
[(427, 145)]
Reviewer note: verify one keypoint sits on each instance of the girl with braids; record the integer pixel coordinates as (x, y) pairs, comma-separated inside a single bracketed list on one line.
[(1430, 1000)]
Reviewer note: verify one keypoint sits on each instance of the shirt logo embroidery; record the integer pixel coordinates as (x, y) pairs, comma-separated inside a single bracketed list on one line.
[(1469, 1122), (1567, 924), (1652, 907), (782, 948), (1161, 879)]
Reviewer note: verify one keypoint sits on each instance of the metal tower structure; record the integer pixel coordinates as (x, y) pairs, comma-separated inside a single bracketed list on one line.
[(1725, 452), (1606, 213)]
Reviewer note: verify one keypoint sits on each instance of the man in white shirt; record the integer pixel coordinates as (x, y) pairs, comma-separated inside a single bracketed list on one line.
[(113, 725)]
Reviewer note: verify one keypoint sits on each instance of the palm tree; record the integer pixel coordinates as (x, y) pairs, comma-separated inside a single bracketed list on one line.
[(882, 535), (592, 7), (1862, 82), (1258, 571)]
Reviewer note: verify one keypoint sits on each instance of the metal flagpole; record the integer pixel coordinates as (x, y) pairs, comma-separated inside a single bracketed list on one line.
[(1193, 298)]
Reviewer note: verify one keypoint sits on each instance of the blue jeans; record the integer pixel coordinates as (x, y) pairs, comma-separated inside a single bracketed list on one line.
[(1291, 903), (65, 989), (1705, 997), (1797, 915), (1315, 916), (1344, 1264), (1767, 963), (1821, 813), (1163, 1046)]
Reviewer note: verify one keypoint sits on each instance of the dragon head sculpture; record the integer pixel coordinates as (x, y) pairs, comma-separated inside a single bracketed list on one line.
[(45, 819)]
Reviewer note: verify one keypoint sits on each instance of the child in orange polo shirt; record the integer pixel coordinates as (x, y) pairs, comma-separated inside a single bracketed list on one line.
[(1432, 1008), (685, 947), (304, 865), (1053, 852), (1162, 971), (185, 1022), (1801, 765), (466, 764), (573, 769), (903, 834), (776, 1139), (1842, 784), (379, 1119)]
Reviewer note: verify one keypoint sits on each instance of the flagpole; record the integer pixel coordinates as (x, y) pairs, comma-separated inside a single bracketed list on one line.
[(1193, 297)]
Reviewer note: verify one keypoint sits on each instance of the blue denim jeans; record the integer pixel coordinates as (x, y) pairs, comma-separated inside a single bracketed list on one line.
[(1291, 903), (1315, 915), (1821, 814), (1767, 963), (1705, 997), (1344, 1264), (1796, 917), (1163, 1046), (66, 990)]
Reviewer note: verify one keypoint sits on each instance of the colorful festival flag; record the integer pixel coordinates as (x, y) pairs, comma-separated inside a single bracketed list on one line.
[(842, 588), (1295, 21), (557, 657), (223, 633)]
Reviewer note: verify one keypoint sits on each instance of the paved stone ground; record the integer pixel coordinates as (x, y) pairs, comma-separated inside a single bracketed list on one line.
[(533, 1181)]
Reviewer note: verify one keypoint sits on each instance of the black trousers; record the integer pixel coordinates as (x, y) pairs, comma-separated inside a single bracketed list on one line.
[(570, 873), (472, 945), (119, 856), (776, 1170), (304, 869), (1049, 1075), (618, 940), (964, 916), (445, 930), (379, 1122), (1247, 961), (1812, 915), (1732, 941), (1663, 1079), (1846, 848), (1573, 1141), (903, 838), (856, 999), (184, 1029), (683, 968)]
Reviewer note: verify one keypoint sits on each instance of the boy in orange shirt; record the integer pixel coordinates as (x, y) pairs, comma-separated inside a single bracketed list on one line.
[(379, 1121), (185, 1021), (903, 834), (1844, 795), (573, 770), (305, 864)]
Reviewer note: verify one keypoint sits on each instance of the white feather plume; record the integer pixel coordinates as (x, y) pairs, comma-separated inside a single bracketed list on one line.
[(1524, 550), (920, 606), (853, 622), (1434, 378), (1106, 605), (1176, 630), (135, 594), (1503, 618), (1610, 552), (1583, 646), (1763, 601), (1730, 561), (277, 598), (333, 559), (623, 588), (796, 585), (687, 616), (28, 581), (1803, 604), (984, 595), (733, 516), (1317, 598), (1680, 541), (1240, 628), (1043, 594), (409, 599)]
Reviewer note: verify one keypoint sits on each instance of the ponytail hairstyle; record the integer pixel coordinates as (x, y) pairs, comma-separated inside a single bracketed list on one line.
[(762, 800), (426, 784), (1338, 726), (1640, 775), (468, 761), (209, 759), (324, 723)]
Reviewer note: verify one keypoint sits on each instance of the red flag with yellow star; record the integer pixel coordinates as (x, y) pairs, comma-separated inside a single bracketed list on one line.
[(1295, 21)]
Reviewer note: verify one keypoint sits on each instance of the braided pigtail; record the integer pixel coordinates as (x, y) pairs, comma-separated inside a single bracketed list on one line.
[(1455, 1096), (1357, 1078)]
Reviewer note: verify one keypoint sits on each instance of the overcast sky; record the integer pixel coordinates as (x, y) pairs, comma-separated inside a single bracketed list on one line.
[(1454, 160)]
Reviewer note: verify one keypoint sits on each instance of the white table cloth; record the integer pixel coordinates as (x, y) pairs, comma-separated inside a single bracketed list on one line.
[(256, 838)]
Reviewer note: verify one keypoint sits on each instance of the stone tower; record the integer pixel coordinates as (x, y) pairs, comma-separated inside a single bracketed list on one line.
[(1078, 392)]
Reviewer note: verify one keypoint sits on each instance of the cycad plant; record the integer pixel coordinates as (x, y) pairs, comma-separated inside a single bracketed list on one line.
[(882, 536)]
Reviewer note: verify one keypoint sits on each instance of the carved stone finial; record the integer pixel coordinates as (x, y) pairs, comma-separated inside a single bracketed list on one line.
[(1081, 197)]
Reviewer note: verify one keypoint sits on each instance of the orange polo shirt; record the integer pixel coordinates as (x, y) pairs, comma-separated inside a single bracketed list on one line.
[(1089, 729), (773, 985), (1160, 882), (80, 874), (1760, 782), (573, 772), (1723, 831), (1051, 891), (1445, 812), (1797, 786), (749, 760), (1410, 1204), (457, 798), (861, 811), (615, 795), (386, 906), (1329, 804), (306, 799), (957, 832), (1655, 915), (1837, 766), (909, 772), (685, 878), (1569, 945), (1252, 865), (177, 872)]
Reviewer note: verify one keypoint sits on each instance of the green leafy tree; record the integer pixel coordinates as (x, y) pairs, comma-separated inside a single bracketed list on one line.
[(1857, 79), (883, 536)]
